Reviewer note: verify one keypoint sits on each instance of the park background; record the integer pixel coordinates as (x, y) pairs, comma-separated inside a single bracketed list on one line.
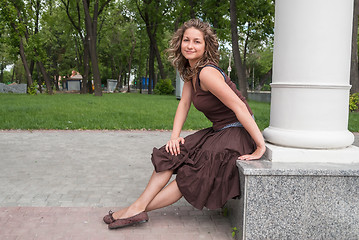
[(43, 41)]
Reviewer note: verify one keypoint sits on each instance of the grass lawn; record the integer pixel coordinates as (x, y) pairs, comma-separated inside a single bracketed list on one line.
[(111, 111)]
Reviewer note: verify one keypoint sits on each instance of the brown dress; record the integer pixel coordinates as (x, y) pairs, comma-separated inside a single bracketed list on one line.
[(207, 174)]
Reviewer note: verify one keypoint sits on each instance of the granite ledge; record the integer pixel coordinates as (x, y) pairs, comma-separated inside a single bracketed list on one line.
[(265, 167)]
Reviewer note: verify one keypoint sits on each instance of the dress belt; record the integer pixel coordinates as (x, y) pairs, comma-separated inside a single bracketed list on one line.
[(235, 124)]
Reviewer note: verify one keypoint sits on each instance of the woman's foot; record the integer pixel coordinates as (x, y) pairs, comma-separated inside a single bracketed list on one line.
[(141, 217), (113, 216), (128, 212), (108, 218), (119, 213)]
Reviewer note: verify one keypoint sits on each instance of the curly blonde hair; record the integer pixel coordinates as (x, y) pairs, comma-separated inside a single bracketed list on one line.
[(211, 53)]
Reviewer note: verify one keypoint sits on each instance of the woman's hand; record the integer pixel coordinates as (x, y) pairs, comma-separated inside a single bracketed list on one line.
[(257, 154), (173, 145)]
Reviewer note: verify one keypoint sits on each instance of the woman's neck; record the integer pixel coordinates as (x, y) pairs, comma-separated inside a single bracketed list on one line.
[(192, 63)]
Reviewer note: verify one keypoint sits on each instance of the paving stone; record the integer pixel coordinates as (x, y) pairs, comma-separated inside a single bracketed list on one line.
[(62, 189)]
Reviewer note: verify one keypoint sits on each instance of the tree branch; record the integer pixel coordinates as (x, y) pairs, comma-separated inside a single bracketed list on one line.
[(103, 6), (69, 16)]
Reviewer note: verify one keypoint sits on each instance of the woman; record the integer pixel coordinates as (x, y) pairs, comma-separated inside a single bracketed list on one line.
[(205, 162)]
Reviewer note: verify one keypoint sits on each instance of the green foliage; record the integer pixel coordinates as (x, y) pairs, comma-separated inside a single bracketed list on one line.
[(234, 232), (354, 102), (32, 89), (19, 72), (164, 87), (266, 87), (59, 38), (7, 77), (225, 211)]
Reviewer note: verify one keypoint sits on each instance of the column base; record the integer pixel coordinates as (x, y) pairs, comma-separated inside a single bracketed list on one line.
[(296, 201), (308, 138), (287, 154)]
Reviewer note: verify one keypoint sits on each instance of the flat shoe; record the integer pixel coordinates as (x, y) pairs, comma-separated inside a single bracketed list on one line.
[(108, 218), (142, 217)]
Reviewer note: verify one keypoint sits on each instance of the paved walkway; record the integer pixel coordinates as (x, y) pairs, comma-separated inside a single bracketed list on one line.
[(59, 185)]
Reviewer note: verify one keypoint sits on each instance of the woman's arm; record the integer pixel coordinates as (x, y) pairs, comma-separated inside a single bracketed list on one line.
[(183, 107), (210, 82)]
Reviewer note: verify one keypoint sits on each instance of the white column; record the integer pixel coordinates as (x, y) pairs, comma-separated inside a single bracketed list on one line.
[(311, 67), (179, 86)]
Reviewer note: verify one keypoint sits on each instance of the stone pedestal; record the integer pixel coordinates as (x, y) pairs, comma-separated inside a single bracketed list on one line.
[(296, 201)]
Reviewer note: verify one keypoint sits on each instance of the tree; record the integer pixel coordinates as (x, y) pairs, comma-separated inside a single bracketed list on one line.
[(183, 10), (73, 12), (118, 50), (130, 57), (23, 18), (91, 30), (216, 13), (241, 77), (6, 54), (255, 24), (36, 45), (354, 75), (152, 13), (10, 15), (53, 37)]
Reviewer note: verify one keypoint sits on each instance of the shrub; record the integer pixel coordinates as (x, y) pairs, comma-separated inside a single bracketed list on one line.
[(353, 102), (164, 87), (266, 87), (32, 89)]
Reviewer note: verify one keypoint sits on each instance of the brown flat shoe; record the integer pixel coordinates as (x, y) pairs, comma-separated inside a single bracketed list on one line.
[(108, 218), (142, 217)]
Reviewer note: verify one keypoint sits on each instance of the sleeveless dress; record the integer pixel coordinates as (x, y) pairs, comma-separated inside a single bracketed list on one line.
[(207, 175)]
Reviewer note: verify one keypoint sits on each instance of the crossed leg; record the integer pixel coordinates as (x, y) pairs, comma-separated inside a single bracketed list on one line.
[(155, 195)]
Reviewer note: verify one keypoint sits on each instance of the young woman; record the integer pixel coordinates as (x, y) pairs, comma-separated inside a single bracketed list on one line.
[(205, 161)]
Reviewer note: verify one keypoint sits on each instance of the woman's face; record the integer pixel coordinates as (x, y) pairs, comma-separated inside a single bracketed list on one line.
[(193, 45)]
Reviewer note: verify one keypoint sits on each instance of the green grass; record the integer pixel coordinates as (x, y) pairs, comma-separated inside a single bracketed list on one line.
[(111, 111), (354, 122), (75, 111)]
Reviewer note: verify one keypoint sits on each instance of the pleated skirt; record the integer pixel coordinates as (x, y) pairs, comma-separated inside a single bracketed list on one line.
[(207, 175)]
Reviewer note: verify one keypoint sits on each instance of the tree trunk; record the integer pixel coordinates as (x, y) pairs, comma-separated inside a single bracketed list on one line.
[(86, 61), (13, 74), (32, 66), (2, 72), (151, 69), (118, 83), (264, 79), (39, 82), (130, 61), (241, 76), (151, 32), (146, 74), (91, 29), (56, 81), (354, 74), (46, 77), (159, 61), (192, 9), (24, 62), (151, 28)]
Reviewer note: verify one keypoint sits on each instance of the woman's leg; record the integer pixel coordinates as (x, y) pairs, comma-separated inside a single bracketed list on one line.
[(154, 186), (167, 196)]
